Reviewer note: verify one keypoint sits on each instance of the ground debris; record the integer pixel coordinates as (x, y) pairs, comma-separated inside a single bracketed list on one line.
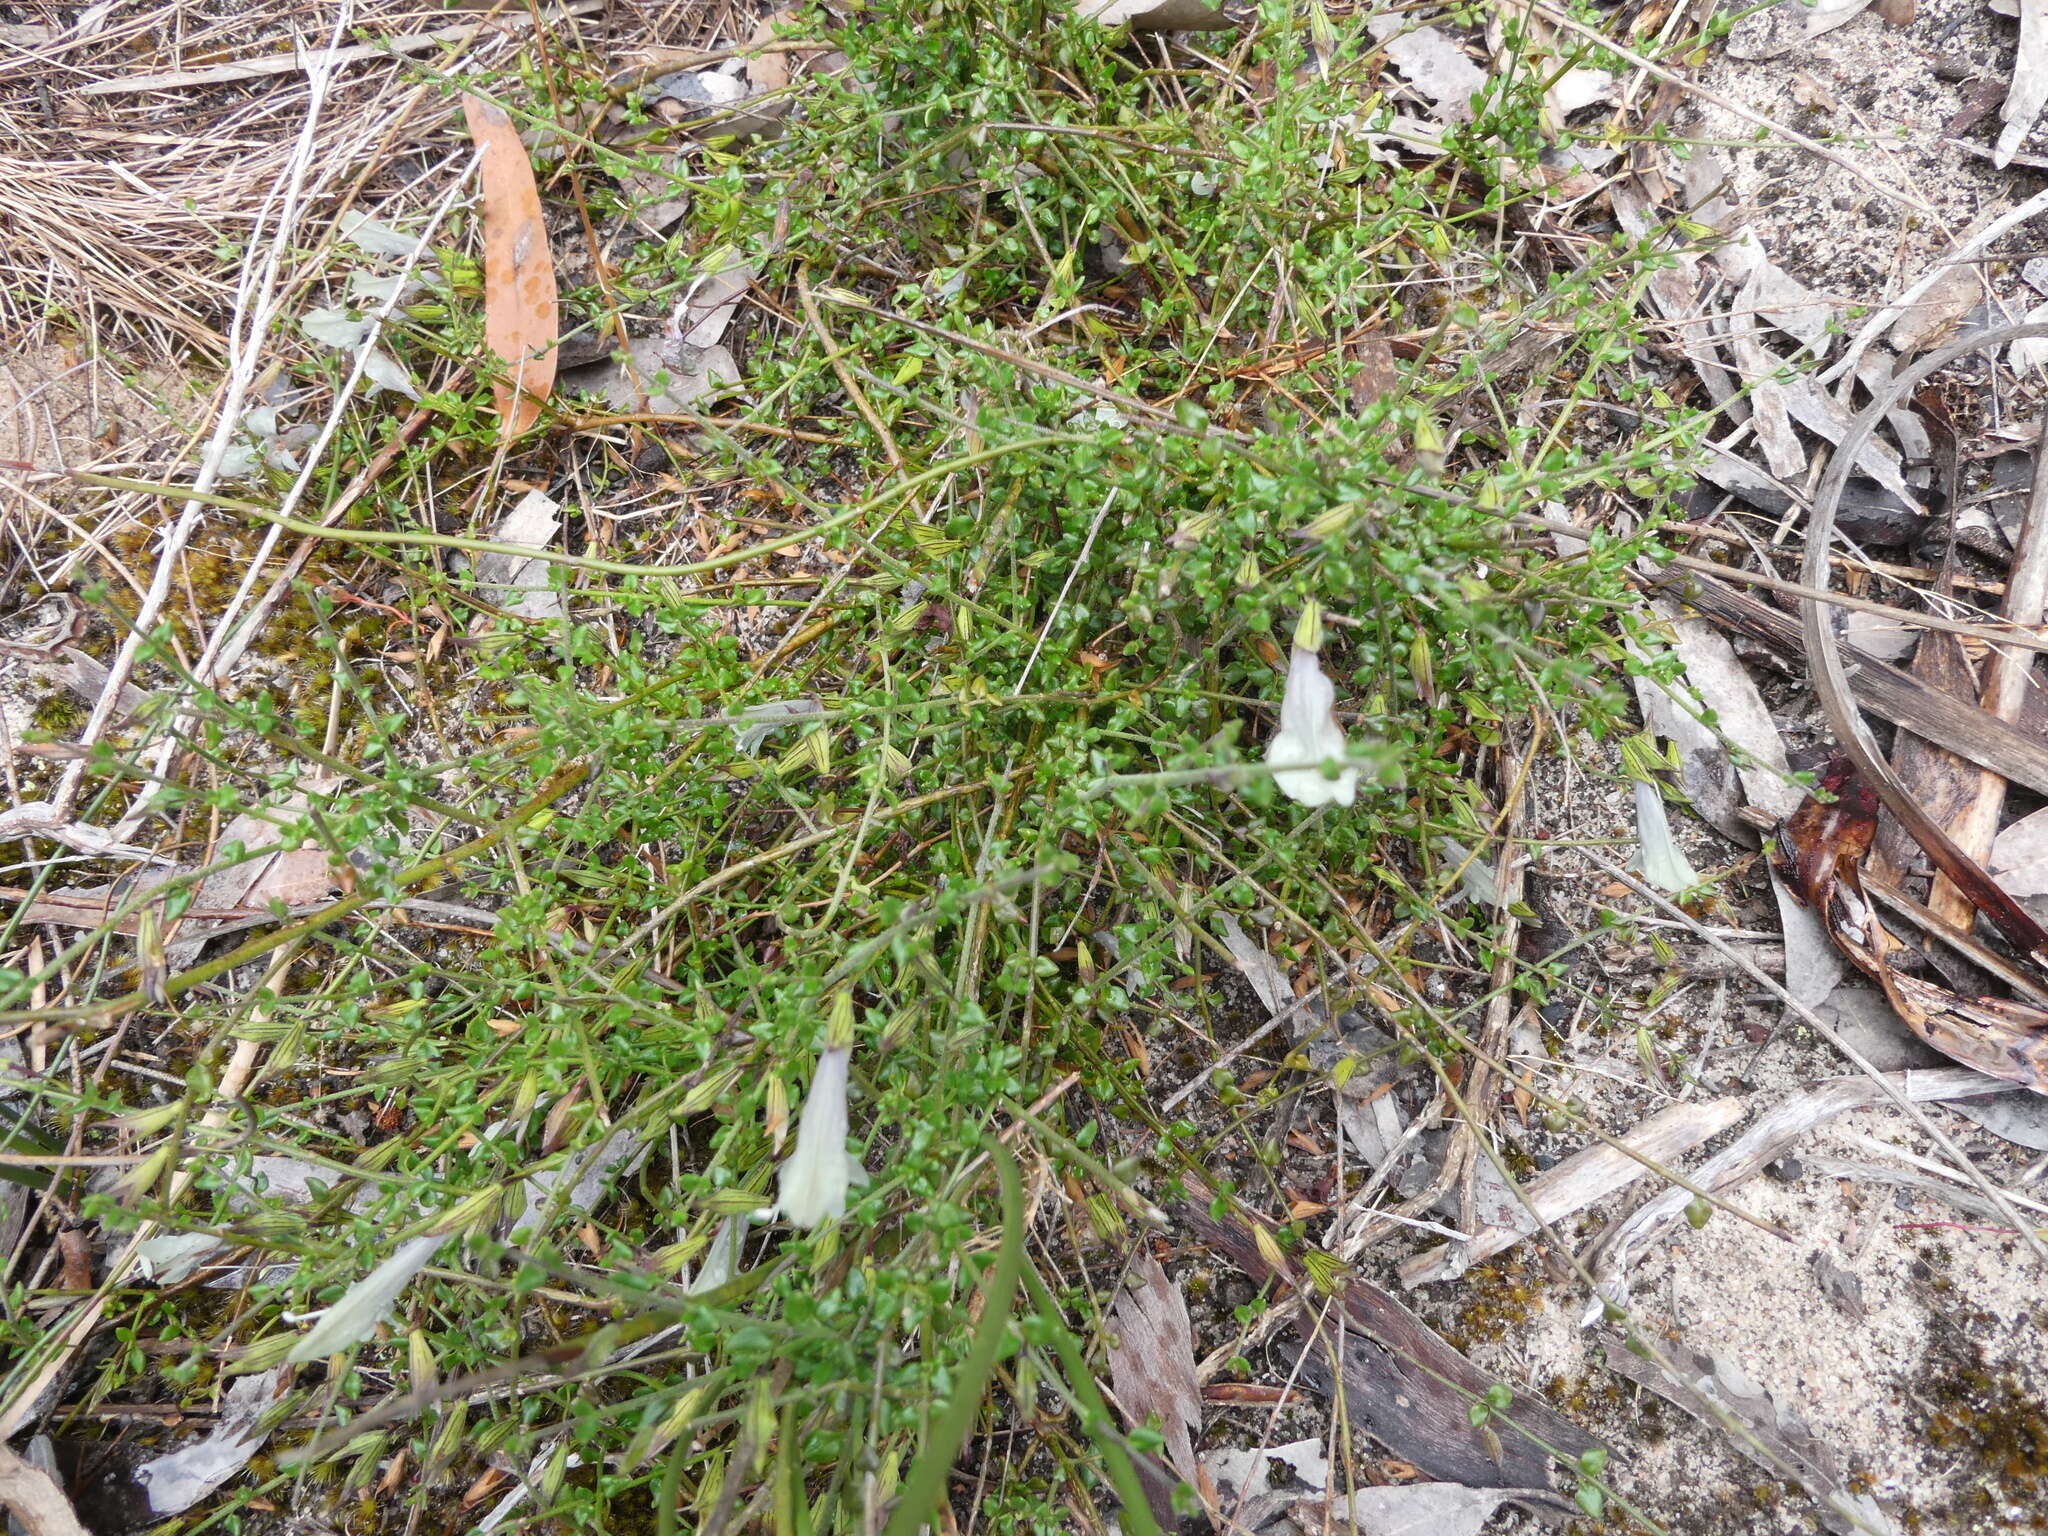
[(1768, 1138), (1152, 1365), (1581, 1180), (1403, 1384), (1781, 1438)]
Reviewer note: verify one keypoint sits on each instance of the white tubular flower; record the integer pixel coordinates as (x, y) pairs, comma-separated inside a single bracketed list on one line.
[(1308, 735), (1662, 862), (816, 1175)]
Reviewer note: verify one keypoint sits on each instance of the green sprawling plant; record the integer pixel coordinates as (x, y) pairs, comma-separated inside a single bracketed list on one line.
[(1086, 352)]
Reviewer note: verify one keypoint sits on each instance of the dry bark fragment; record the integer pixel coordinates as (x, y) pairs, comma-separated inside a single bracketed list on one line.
[(1152, 1365), (1581, 1179), (1402, 1383)]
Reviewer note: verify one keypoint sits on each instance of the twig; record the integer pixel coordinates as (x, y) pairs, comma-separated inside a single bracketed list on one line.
[(1831, 679), (1955, 724), (1989, 633), (1059, 602), (2008, 678), (1885, 318), (1500, 1009), (1588, 1175), (229, 641), (835, 355)]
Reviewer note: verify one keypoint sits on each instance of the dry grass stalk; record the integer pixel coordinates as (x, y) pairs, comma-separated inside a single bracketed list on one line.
[(123, 212)]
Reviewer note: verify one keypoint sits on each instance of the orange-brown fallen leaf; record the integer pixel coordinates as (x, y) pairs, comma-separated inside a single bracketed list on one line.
[(487, 1483), (521, 320)]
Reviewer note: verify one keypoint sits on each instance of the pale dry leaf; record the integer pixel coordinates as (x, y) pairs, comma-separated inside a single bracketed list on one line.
[(1154, 15), (1478, 877), (769, 71), (580, 1183), (178, 1481), (367, 1303), (1152, 1364), (1937, 312), (714, 298), (521, 318), (1769, 417), (1431, 1509), (378, 288), (172, 1257), (1722, 686), (519, 585), (2020, 1118), (336, 327), (1879, 635), (1824, 416), (687, 376), (388, 373), (768, 717), (373, 237), (657, 198), (1373, 1129), (297, 877), (1774, 296), (1579, 88), (2028, 93), (668, 376), (91, 19), (1433, 63), (1863, 1018), (2030, 352), (1267, 979), (2019, 856)]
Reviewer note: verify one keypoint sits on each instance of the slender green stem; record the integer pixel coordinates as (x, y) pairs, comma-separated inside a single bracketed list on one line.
[(925, 1485), (558, 557)]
